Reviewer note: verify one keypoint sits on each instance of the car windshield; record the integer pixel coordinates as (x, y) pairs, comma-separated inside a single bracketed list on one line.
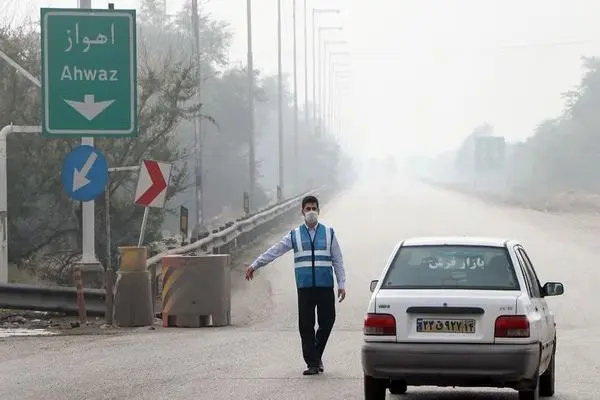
[(451, 267)]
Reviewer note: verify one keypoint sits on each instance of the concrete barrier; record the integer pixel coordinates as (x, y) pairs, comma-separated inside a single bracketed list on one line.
[(196, 291)]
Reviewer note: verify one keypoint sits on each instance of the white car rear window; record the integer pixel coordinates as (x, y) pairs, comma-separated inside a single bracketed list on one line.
[(451, 267)]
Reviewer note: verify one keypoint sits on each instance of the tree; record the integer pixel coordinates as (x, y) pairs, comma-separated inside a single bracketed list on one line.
[(563, 151)]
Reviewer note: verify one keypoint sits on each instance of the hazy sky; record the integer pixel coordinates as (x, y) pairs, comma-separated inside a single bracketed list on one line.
[(425, 72)]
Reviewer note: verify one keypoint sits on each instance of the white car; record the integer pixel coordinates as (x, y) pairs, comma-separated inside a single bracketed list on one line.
[(459, 311)]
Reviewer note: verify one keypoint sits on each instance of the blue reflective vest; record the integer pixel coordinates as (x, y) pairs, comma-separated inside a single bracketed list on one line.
[(313, 264)]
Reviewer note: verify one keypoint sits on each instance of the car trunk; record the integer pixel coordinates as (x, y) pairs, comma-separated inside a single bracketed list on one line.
[(458, 316)]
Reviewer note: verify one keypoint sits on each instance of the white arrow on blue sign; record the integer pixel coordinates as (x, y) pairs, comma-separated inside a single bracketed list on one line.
[(84, 173)]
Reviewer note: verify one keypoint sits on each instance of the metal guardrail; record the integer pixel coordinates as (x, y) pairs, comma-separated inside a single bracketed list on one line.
[(230, 233), (64, 299), (56, 299)]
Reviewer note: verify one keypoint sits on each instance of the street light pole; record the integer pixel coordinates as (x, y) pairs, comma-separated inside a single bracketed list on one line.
[(319, 83), (296, 158), (314, 74), (250, 83), (334, 102), (341, 93), (329, 96), (306, 112), (324, 89), (316, 11), (319, 116), (280, 103), (332, 59)]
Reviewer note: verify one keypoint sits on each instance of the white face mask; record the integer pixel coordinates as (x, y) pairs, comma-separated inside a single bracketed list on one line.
[(311, 217)]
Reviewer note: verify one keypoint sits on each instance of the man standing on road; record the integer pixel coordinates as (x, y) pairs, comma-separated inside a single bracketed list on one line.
[(317, 255)]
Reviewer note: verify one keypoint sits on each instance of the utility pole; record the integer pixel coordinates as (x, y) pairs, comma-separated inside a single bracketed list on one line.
[(280, 101), (250, 67), (296, 158), (199, 228)]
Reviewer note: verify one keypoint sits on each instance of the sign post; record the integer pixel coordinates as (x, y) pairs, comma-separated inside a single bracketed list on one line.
[(84, 177), (183, 224), (246, 203), (151, 190), (88, 84)]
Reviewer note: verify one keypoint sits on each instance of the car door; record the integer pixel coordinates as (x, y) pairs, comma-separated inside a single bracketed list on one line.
[(548, 313), (540, 304)]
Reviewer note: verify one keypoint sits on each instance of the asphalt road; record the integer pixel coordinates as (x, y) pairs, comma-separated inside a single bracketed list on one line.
[(259, 357)]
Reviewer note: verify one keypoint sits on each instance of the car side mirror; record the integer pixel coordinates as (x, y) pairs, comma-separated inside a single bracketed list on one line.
[(553, 289), (373, 285)]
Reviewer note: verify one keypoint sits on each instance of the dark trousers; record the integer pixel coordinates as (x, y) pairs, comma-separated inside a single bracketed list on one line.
[(323, 299)]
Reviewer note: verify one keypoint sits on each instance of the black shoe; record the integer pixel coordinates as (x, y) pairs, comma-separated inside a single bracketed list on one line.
[(321, 369), (311, 371)]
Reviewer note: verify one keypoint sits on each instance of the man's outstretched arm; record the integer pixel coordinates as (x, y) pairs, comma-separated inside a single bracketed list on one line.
[(276, 251), (338, 263)]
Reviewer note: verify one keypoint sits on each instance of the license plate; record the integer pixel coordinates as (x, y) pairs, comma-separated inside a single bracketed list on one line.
[(426, 325)]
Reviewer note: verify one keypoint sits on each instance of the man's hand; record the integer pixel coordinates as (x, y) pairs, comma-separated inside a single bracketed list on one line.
[(341, 294), (249, 272)]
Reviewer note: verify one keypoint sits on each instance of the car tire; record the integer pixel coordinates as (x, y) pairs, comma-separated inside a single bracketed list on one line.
[(374, 388), (531, 393), (398, 387), (547, 380)]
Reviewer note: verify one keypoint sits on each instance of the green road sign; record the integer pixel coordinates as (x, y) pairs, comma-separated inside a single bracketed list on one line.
[(89, 73)]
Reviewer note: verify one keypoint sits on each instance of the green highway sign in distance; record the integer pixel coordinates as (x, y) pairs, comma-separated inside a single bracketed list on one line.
[(89, 73)]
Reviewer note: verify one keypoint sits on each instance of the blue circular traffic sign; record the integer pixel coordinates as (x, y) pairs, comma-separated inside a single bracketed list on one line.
[(84, 173)]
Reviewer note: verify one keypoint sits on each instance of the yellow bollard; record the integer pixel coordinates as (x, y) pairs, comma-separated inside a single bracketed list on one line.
[(133, 301), (133, 259)]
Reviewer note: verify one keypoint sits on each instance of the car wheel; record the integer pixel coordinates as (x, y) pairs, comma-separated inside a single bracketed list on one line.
[(531, 393), (398, 387), (374, 388), (547, 380)]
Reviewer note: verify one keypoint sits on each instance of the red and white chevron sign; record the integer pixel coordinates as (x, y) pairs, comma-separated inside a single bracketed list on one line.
[(152, 184)]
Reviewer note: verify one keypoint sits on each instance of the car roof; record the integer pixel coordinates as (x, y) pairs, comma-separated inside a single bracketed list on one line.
[(456, 241)]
